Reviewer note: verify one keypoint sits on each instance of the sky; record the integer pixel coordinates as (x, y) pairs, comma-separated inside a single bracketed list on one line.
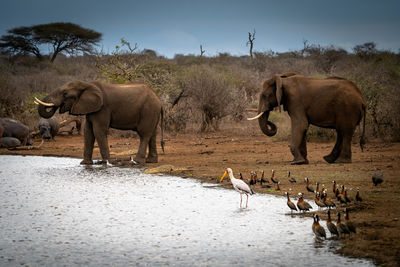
[(221, 26)]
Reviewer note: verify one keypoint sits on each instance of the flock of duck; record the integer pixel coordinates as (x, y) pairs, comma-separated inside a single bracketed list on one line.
[(321, 199)]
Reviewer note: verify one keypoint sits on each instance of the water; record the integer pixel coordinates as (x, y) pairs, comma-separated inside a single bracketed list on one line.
[(54, 211)]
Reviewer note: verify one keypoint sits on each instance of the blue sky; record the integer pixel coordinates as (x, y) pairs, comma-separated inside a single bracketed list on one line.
[(179, 27)]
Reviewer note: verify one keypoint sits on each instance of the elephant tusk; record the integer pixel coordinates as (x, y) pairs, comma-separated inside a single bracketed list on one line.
[(44, 103), (256, 117), (34, 101)]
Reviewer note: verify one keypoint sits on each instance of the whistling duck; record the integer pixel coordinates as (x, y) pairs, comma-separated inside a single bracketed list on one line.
[(318, 230), (316, 187), (342, 227), (346, 197), (377, 179), (331, 226), (334, 187), (358, 197), (329, 203), (308, 186), (290, 204), (275, 181), (291, 179), (340, 195), (350, 224), (302, 204), (262, 179), (318, 201), (277, 186), (253, 179)]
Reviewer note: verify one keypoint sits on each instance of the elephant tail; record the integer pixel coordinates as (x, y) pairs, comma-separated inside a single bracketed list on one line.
[(162, 130), (362, 138)]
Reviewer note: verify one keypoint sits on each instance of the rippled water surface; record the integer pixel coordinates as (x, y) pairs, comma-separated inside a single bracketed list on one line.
[(54, 211)]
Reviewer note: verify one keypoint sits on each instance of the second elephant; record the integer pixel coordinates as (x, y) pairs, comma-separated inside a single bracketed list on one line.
[(334, 103), (132, 106)]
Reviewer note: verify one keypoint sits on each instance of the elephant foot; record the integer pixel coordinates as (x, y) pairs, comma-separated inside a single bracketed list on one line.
[(152, 160), (329, 158), (87, 162), (139, 160), (299, 162), (101, 162), (343, 160)]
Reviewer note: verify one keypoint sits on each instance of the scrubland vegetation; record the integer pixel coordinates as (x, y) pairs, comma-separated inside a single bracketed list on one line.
[(200, 93)]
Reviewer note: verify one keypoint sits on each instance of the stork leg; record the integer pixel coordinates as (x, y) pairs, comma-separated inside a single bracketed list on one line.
[(247, 199), (240, 200)]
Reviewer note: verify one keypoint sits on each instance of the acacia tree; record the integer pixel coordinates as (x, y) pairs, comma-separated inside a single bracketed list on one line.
[(68, 37), (20, 41)]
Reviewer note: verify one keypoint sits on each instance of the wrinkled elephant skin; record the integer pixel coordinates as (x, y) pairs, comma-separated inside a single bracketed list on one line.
[(333, 103), (132, 106)]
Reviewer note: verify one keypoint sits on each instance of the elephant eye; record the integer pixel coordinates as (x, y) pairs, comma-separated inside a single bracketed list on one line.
[(65, 93)]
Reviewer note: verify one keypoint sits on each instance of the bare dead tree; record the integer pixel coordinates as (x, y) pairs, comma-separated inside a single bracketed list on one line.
[(306, 47), (202, 51), (252, 37), (127, 44)]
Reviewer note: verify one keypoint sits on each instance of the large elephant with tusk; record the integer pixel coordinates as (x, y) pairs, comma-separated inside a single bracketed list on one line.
[(132, 106), (334, 103)]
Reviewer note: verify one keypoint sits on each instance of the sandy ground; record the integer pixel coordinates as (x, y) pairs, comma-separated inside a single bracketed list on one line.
[(207, 156)]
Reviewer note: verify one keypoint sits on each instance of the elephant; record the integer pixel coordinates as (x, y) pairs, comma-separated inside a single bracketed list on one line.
[(14, 128), (9, 142), (49, 128), (333, 102), (133, 106)]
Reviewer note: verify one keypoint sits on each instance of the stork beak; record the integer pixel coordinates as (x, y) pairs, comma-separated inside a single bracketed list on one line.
[(223, 176)]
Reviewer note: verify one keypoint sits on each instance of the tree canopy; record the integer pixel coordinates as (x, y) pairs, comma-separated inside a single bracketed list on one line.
[(63, 37)]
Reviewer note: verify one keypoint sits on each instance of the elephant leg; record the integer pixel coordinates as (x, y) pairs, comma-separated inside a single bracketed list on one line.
[(88, 143), (299, 130), (336, 149), (100, 133), (303, 147), (152, 156), (141, 154), (345, 153)]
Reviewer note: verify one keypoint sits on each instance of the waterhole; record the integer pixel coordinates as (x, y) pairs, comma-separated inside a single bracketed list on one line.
[(54, 211)]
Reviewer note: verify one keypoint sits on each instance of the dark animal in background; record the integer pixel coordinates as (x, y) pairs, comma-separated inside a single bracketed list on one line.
[(333, 103), (13, 128), (49, 128), (9, 142), (133, 106), (377, 179)]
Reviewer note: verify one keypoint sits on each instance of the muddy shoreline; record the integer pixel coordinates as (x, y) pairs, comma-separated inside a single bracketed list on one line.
[(206, 156)]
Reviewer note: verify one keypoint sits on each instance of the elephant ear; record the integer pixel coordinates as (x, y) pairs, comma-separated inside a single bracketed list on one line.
[(90, 100), (278, 94)]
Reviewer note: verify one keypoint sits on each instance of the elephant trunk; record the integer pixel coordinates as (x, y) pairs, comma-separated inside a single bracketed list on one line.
[(46, 111), (266, 126)]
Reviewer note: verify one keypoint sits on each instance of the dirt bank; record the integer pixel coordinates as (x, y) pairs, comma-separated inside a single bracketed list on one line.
[(207, 156)]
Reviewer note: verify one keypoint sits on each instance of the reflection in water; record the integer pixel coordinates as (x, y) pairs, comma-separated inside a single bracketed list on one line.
[(55, 212)]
